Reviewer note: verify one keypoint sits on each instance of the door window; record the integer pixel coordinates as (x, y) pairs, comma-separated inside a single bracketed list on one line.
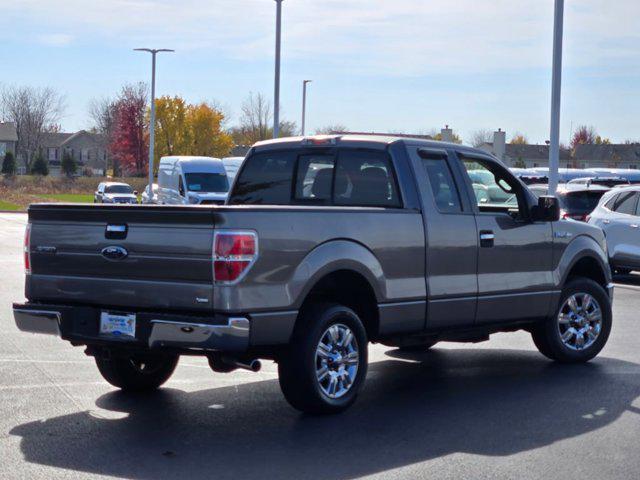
[(626, 203), (493, 187), (444, 189)]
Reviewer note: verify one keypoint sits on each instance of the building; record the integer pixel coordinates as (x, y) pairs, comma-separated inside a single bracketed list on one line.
[(88, 149), (607, 156), (524, 156), (8, 138)]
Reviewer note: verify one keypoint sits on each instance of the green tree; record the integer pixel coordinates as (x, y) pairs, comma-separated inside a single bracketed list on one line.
[(9, 164), (69, 166), (40, 165)]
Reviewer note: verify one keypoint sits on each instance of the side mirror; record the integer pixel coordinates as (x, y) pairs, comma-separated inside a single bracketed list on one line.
[(547, 210)]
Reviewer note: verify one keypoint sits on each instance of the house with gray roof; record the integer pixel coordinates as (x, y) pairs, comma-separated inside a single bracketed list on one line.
[(88, 149), (8, 138), (608, 156)]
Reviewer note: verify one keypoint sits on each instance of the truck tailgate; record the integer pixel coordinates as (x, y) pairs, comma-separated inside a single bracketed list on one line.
[(126, 256)]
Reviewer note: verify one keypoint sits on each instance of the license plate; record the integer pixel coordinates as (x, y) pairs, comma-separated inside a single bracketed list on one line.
[(118, 324)]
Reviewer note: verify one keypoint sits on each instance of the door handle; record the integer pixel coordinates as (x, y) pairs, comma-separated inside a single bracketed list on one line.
[(486, 238)]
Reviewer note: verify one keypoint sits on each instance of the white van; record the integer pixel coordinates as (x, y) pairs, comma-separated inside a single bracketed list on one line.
[(192, 181)]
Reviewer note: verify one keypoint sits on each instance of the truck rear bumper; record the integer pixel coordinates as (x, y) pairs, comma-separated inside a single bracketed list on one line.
[(80, 325)]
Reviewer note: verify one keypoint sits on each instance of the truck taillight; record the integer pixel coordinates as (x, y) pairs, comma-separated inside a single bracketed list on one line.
[(27, 249), (234, 252)]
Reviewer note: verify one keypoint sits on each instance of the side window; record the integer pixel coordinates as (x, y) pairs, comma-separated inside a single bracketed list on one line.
[(445, 191), (626, 203), (492, 186), (265, 179), (611, 204), (314, 178), (365, 178)]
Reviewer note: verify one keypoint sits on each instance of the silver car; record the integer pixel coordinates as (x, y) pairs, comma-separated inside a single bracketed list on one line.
[(618, 214)]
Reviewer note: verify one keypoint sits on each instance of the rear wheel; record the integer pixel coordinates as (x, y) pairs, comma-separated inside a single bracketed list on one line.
[(580, 327), (326, 362), (137, 373)]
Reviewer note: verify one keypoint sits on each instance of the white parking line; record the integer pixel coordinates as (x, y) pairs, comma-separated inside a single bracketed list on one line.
[(627, 287)]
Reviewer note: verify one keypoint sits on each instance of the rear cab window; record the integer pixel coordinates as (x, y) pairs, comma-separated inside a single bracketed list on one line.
[(338, 177)]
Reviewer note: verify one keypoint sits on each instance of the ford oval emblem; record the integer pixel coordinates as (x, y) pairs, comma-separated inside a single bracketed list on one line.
[(114, 253)]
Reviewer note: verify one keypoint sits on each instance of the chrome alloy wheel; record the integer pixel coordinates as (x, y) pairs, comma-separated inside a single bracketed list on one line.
[(580, 321), (337, 359)]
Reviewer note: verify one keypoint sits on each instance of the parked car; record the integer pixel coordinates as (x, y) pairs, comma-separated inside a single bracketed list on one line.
[(115, 192), (564, 174), (633, 175), (389, 244), (146, 194), (192, 181), (618, 214), (599, 180), (576, 201)]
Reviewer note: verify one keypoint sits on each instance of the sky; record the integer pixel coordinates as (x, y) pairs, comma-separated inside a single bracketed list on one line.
[(408, 66)]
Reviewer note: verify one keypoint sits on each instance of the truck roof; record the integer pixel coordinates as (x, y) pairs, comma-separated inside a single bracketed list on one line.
[(379, 141)]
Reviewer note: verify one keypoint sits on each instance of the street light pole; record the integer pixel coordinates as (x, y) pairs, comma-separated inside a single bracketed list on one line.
[(556, 84), (152, 121), (304, 102), (276, 92)]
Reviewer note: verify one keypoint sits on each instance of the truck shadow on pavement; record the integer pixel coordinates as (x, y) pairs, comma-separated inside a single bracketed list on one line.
[(413, 408)]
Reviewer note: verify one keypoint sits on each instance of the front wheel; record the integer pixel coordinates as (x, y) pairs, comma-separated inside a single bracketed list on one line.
[(326, 362), (580, 327), (137, 373)]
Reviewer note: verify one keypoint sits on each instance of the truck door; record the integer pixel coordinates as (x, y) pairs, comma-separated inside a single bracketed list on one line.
[(515, 257), (451, 241)]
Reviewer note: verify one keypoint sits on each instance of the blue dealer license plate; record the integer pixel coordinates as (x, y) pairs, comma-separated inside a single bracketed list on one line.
[(118, 324)]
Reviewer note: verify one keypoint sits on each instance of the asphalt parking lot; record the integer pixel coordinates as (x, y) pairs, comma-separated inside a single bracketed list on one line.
[(497, 409)]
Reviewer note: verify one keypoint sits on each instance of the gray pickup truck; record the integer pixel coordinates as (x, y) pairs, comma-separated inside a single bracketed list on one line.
[(325, 244)]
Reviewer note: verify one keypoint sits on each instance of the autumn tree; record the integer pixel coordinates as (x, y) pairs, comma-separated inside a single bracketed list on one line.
[(519, 139), (172, 132), (184, 129), (455, 138), (602, 141), (35, 111), (584, 135), (206, 136), (130, 143)]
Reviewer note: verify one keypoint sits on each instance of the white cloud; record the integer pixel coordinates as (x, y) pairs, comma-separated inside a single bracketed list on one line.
[(55, 39), (400, 37)]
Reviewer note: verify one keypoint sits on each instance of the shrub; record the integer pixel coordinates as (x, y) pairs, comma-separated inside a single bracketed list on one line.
[(68, 166), (9, 165), (40, 166)]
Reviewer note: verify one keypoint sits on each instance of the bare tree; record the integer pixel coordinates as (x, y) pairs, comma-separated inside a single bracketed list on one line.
[(103, 115), (481, 136), (35, 111), (329, 129), (255, 118)]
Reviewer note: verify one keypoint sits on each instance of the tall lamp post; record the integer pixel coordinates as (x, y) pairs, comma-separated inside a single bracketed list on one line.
[(152, 122), (276, 88), (304, 102), (556, 83)]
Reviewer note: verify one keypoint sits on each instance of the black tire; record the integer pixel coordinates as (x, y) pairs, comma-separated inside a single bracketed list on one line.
[(297, 366), (421, 347), (547, 336), (137, 374)]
